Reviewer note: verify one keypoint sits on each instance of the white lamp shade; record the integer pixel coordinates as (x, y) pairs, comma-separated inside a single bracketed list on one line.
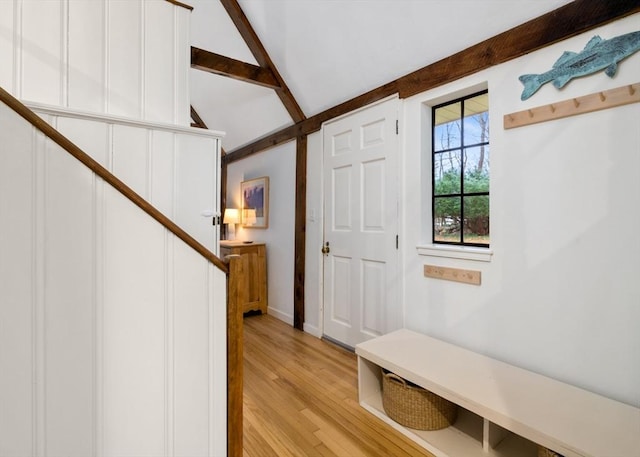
[(249, 217), (231, 216)]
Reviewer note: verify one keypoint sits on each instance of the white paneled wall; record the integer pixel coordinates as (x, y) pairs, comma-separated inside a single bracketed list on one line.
[(124, 57), (174, 168), (112, 330)]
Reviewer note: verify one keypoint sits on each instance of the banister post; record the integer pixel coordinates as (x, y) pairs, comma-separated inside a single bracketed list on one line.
[(234, 359)]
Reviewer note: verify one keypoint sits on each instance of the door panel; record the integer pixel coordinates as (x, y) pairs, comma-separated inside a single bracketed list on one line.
[(341, 311), (341, 189), (360, 167), (373, 293), (197, 163), (373, 202)]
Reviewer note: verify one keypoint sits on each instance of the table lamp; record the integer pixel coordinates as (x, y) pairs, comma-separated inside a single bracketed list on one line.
[(231, 218)]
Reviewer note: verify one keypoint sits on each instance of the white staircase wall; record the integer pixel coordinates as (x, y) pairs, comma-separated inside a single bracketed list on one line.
[(112, 330), (174, 168), (123, 57)]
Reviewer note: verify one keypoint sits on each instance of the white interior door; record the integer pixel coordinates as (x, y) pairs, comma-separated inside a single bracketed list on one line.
[(197, 165), (360, 224)]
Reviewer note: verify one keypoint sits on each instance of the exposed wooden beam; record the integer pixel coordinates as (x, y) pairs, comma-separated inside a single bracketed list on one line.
[(567, 21), (312, 124), (226, 66), (300, 233), (197, 120), (264, 143), (262, 57)]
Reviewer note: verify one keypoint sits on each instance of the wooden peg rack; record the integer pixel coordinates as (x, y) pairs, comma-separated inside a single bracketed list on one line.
[(453, 274), (594, 102)]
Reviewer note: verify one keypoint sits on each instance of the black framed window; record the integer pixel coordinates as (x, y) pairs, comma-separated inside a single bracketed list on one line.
[(461, 171)]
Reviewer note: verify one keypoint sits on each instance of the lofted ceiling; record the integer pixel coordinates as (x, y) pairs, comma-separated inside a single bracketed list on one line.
[(330, 51)]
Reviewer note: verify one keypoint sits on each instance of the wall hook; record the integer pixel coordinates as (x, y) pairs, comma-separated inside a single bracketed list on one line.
[(576, 103), (553, 108), (530, 113), (631, 90), (602, 96)]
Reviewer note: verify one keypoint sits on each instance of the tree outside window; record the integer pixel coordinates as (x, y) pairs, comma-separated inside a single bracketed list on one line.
[(461, 171)]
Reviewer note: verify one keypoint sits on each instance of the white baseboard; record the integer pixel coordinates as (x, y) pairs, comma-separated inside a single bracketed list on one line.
[(312, 330), (280, 315)]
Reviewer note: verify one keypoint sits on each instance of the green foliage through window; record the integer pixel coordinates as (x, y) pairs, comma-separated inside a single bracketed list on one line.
[(461, 171)]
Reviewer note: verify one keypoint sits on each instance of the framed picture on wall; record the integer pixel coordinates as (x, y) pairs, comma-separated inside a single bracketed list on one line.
[(255, 202)]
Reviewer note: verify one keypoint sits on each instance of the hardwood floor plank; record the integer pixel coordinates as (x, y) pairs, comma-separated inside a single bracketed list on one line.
[(282, 444), (333, 438), (254, 444), (325, 451), (300, 399), (352, 420), (285, 417), (339, 445), (300, 432)]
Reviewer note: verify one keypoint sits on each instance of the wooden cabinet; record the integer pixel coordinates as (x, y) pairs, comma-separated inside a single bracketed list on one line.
[(254, 272)]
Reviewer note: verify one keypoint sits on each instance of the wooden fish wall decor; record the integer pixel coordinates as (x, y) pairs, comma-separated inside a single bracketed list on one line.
[(597, 55)]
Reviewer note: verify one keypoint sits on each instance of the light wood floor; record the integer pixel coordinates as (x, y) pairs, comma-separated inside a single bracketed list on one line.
[(300, 399)]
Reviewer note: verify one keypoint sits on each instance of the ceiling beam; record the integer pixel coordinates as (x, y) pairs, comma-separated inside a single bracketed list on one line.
[(197, 120), (226, 66), (262, 57), (311, 124), (569, 20)]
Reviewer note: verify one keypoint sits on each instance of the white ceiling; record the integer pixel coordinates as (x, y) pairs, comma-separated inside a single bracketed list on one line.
[(329, 51)]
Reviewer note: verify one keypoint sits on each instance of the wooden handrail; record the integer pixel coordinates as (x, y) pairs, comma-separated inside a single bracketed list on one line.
[(108, 177), (180, 4)]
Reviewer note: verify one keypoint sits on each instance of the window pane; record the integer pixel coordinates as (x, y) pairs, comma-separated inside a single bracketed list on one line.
[(447, 124), (447, 169), (476, 169), (476, 119), (476, 219), (446, 220), (461, 169)]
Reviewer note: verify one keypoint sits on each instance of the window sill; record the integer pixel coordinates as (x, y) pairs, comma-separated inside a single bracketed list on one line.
[(456, 252)]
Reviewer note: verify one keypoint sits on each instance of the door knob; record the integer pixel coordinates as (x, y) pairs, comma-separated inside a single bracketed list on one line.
[(326, 249)]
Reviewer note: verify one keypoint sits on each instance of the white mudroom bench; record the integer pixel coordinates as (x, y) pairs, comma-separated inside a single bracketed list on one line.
[(503, 410)]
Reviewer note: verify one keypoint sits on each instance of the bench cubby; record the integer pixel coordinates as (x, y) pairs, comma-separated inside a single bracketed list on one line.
[(504, 411)]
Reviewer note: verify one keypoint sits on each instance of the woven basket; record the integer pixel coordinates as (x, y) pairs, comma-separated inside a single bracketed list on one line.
[(544, 452), (415, 407)]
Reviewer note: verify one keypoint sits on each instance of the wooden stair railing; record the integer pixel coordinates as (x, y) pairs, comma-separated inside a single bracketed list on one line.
[(235, 298), (232, 269), (108, 177)]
